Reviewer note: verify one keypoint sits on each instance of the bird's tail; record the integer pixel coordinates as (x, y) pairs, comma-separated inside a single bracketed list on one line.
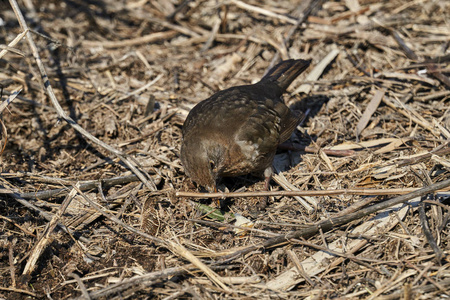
[(286, 71)]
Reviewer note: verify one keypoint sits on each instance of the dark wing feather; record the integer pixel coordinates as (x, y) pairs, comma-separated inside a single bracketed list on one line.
[(289, 121)]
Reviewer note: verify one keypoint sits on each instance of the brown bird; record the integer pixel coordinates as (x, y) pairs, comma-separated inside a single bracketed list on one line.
[(236, 131)]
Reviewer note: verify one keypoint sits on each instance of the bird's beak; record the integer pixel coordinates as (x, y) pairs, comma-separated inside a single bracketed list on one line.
[(212, 189)]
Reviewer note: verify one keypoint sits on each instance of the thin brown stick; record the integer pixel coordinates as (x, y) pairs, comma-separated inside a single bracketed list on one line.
[(427, 232), (263, 11), (361, 192), (12, 267), (153, 37), (299, 266), (84, 186), (432, 69), (16, 40), (183, 252), (355, 207), (441, 150), (220, 226), (370, 110), (20, 291), (45, 237), (409, 53), (24, 230)]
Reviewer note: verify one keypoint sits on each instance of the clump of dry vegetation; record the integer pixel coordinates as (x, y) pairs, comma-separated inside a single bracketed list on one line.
[(94, 202)]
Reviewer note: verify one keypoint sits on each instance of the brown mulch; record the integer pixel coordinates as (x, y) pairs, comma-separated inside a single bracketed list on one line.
[(109, 213)]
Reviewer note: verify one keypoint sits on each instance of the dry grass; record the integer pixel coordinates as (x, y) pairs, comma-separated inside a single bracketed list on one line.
[(101, 213)]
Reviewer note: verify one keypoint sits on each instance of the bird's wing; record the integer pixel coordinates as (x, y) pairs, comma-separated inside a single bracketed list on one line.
[(260, 130), (289, 120)]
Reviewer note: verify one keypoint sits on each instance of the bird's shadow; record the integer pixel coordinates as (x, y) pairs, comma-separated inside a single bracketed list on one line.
[(310, 106)]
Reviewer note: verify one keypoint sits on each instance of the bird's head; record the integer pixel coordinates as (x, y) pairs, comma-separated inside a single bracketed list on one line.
[(203, 161)]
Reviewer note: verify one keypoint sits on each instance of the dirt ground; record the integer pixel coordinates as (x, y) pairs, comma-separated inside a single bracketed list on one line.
[(94, 202)]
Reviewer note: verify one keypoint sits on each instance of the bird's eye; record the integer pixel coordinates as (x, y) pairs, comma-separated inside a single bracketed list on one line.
[(212, 165)]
